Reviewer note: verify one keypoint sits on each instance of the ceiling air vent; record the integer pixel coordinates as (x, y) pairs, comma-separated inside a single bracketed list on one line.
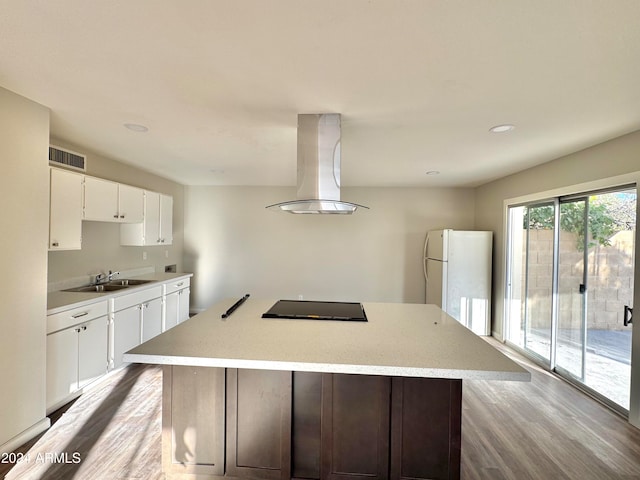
[(67, 159)]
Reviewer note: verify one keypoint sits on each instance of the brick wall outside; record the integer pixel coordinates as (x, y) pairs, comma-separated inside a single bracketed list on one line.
[(610, 280)]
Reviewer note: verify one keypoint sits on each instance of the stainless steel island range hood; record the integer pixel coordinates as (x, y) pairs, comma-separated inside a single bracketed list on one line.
[(318, 167)]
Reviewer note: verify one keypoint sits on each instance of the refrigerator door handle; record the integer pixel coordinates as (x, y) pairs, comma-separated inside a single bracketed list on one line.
[(424, 258)]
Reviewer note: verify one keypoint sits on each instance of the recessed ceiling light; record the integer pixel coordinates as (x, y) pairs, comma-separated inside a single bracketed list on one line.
[(502, 128), (433, 172), (136, 128)]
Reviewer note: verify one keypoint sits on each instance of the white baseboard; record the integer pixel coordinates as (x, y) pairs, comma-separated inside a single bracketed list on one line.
[(25, 436), (87, 388), (61, 403)]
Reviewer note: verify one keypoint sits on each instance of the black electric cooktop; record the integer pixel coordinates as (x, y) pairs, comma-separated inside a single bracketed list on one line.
[(311, 310)]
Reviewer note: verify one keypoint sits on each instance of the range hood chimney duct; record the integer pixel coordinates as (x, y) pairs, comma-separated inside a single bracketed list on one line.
[(318, 167)]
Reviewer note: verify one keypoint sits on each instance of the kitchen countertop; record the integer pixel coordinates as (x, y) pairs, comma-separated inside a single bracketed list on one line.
[(60, 301), (411, 340)]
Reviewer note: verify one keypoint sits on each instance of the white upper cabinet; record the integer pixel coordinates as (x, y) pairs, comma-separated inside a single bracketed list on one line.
[(130, 204), (157, 225), (146, 217), (100, 200), (65, 210), (151, 225), (166, 219), (106, 201)]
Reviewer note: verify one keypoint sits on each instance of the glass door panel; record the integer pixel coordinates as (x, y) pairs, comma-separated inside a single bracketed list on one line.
[(595, 284), (530, 288), (570, 349), (517, 278), (539, 278), (610, 267)]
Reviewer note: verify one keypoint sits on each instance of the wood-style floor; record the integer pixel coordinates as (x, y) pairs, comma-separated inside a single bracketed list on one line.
[(545, 429), (115, 428)]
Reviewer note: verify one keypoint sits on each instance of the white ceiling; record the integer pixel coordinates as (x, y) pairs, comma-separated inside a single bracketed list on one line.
[(419, 83)]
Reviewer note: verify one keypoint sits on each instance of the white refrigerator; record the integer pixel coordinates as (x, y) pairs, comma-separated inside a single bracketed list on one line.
[(457, 270)]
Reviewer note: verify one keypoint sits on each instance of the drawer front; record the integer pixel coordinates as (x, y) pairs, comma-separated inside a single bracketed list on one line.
[(125, 301), (177, 284), (74, 316)]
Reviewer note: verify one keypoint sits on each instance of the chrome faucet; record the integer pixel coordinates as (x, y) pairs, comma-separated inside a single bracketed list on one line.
[(104, 278)]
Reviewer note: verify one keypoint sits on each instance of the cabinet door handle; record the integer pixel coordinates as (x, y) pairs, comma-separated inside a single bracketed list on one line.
[(84, 327), (78, 315), (115, 216), (145, 305), (121, 216), (179, 284), (55, 244)]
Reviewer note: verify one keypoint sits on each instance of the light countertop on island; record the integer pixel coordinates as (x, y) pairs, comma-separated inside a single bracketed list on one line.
[(410, 340)]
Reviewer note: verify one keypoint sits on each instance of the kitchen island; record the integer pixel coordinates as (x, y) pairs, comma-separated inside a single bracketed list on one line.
[(268, 398)]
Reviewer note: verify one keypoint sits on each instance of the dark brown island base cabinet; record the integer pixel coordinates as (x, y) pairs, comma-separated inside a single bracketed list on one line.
[(278, 425)]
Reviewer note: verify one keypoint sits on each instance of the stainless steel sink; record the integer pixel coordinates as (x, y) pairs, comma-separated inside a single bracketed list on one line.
[(97, 288), (126, 282), (112, 286)]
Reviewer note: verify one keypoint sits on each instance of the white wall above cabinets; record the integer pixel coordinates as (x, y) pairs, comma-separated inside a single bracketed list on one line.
[(65, 210), (157, 227), (106, 201)]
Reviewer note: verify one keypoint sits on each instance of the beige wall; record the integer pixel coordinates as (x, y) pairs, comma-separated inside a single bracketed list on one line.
[(101, 248), (234, 246), (596, 167), (613, 163), (24, 189)]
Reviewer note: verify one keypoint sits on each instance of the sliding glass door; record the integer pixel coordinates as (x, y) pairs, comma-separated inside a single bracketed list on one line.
[(570, 288), (595, 292)]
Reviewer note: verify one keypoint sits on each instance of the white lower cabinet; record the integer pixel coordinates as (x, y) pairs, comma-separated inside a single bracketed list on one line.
[(171, 302), (137, 317), (62, 366), (126, 332), (183, 304), (84, 343), (151, 318), (92, 351), (176, 308), (76, 356)]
